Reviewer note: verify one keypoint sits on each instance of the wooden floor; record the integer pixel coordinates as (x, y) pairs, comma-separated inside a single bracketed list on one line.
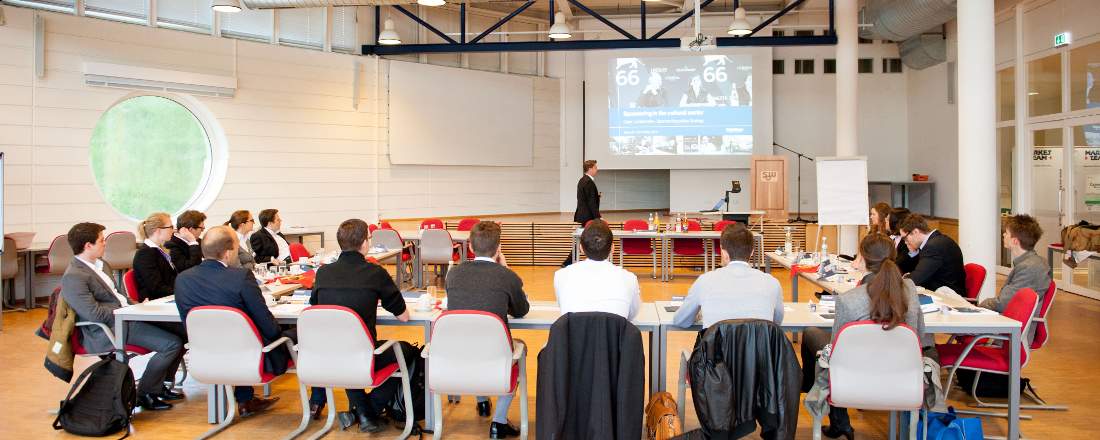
[(1060, 372)]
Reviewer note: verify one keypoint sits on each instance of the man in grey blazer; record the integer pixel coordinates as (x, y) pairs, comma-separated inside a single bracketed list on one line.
[(1021, 232), (92, 294)]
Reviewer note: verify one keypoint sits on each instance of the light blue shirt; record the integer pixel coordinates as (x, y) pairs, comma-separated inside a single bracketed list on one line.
[(736, 291)]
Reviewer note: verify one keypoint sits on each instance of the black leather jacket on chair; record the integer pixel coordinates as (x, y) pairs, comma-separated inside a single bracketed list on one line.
[(744, 372)]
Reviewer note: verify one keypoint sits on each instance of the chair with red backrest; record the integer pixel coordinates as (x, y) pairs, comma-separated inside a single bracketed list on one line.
[(119, 254), (1042, 336), (391, 239), (344, 362), (130, 283), (987, 358), (432, 223), (385, 225), (298, 250), (436, 248), (975, 277), (227, 350), (58, 256), (372, 227), (716, 244), (637, 246), (686, 247), (467, 224)]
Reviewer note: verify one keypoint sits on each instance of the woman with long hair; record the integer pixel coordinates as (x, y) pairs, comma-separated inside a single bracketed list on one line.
[(883, 296), (880, 214), (242, 222)]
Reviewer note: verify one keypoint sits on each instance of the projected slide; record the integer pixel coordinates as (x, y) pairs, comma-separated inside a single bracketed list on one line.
[(690, 105)]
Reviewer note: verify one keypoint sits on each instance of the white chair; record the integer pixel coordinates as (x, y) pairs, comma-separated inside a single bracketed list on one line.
[(119, 255), (227, 350), (9, 268), (876, 369), (346, 361), (472, 352), (436, 248), (59, 255), (390, 239)]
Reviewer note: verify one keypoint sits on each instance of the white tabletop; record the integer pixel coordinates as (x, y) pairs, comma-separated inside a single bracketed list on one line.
[(164, 309), (543, 314), (414, 235)]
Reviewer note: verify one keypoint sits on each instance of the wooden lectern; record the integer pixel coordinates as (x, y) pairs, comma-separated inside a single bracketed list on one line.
[(769, 186)]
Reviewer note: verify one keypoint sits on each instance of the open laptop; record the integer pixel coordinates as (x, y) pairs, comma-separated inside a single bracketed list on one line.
[(717, 206)]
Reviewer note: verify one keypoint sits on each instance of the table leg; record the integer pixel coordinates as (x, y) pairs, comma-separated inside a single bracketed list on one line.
[(662, 365), (418, 270), (212, 394), (656, 358), (767, 265), (429, 416), (1014, 386), (120, 338), (574, 250), (1050, 260), (794, 287), (28, 296)]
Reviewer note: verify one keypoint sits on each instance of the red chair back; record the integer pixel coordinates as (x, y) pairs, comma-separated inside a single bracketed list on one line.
[(131, 285), (432, 223), (385, 225), (975, 276), (298, 250), (636, 246), (371, 228), (720, 226), (1042, 335), (1021, 308), (467, 224), (689, 246)]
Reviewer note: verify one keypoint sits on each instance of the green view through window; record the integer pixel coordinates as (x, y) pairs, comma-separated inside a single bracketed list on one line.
[(149, 153)]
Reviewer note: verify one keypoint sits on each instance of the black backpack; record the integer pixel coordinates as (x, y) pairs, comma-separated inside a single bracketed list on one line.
[(415, 364), (104, 404)]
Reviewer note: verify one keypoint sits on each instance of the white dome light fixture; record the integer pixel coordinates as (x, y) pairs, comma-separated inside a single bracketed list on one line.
[(740, 26), (226, 5), (560, 30), (431, 2), (388, 36)]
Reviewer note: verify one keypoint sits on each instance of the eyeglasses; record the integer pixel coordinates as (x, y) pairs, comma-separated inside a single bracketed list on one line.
[(166, 227)]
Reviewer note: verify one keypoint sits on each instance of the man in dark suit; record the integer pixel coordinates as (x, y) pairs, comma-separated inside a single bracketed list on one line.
[(939, 261), (268, 243), (588, 200), (184, 246), (92, 294), (357, 284), (214, 283)]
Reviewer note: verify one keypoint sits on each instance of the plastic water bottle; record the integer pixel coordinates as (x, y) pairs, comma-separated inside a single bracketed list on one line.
[(787, 245), (824, 249), (649, 223)]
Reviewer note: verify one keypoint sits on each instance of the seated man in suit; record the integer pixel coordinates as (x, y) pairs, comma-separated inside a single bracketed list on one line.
[(939, 261), (92, 294), (184, 244), (357, 284), (1029, 270), (214, 283), (597, 284), (487, 284), (736, 291), (268, 243), (904, 262)]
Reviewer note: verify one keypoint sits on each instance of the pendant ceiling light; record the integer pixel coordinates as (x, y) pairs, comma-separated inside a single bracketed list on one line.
[(740, 26), (226, 5), (431, 2), (388, 36), (560, 30)]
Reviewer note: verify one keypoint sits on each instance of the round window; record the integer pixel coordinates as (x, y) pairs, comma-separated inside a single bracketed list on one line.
[(150, 153)]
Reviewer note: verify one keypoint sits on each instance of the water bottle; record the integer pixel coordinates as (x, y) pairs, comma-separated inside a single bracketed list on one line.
[(787, 245), (649, 223), (824, 249)]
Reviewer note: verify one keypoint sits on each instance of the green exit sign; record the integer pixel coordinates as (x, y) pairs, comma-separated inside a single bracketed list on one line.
[(1061, 39)]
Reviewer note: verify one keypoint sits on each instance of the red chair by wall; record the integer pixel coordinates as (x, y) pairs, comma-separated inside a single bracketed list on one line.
[(719, 226), (975, 277), (467, 224), (686, 247), (432, 223), (637, 246)]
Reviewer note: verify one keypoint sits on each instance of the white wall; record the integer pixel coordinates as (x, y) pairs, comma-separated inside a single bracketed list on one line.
[(297, 140)]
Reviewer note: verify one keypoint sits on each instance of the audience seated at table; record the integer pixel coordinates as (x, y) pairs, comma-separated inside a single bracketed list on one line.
[(487, 284), (154, 271), (735, 291), (214, 283), (880, 219), (353, 282), (1029, 270), (596, 284), (905, 263), (882, 296), (242, 222), (184, 244), (939, 261), (93, 295), (268, 243)]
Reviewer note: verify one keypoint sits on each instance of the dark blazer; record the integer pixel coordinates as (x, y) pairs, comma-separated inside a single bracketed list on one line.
[(940, 263), (154, 274), (588, 201), (354, 283), (488, 287), (591, 383), (93, 300), (184, 256), (264, 246), (905, 263), (212, 284)]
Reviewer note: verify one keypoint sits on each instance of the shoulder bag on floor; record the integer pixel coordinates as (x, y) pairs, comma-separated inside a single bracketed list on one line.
[(104, 404)]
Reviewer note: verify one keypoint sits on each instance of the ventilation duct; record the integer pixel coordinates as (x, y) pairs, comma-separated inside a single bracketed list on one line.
[(278, 4), (923, 51), (899, 20)]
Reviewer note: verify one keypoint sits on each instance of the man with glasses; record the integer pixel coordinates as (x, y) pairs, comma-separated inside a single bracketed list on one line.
[(184, 247), (939, 261)]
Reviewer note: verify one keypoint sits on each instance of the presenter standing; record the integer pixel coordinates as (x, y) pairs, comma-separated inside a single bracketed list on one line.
[(588, 200)]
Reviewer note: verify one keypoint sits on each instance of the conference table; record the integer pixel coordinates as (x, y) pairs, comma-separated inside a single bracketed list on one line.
[(413, 236), (710, 252)]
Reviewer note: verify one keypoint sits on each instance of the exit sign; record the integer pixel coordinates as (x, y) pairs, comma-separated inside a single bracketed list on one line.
[(1061, 39)]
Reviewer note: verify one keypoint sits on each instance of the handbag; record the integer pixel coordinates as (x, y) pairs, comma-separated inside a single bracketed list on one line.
[(949, 426)]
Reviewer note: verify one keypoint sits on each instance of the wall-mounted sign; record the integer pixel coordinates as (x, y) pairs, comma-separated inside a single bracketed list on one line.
[(1061, 39)]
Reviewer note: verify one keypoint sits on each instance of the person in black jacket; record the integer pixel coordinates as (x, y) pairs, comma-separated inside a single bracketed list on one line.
[(354, 283), (902, 259), (184, 247), (588, 200), (154, 271), (214, 283), (939, 259), (268, 243)]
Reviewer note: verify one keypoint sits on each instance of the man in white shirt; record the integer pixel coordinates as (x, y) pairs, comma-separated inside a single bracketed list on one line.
[(268, 243), (596, 284), (92, 294), (736, 291)]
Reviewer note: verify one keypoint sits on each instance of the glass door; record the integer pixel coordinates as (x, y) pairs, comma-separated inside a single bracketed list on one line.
[(1085, 193), (1048, 185)]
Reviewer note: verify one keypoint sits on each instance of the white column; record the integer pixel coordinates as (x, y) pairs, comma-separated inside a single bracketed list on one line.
[(978, 217), (847, 99), (1021, 163)]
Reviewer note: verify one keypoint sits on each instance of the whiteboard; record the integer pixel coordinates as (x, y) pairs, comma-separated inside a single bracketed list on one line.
[(842, 191), (449, 116)]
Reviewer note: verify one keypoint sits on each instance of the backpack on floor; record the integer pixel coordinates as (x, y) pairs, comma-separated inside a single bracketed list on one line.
[(104, 403), (415, 365), (989, 384), (662, 421)]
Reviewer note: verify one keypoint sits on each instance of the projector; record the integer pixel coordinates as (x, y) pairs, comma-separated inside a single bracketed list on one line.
[(698, 43)]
